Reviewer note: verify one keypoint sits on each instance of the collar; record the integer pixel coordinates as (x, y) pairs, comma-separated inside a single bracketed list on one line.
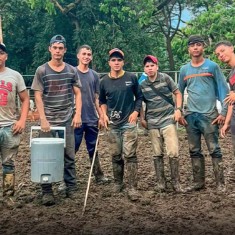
[(119, 75)]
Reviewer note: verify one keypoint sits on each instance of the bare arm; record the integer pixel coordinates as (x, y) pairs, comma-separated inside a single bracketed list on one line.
[(178, 101), (19, 125), (99, 111), (228, 118), (104, 109), (45, 125), (77, 121)]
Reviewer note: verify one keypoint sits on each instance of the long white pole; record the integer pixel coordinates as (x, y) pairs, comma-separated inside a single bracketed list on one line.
[(1, 36)]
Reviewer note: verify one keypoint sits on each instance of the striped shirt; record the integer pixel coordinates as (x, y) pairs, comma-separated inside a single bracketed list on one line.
[(159, 112), (57, 88)]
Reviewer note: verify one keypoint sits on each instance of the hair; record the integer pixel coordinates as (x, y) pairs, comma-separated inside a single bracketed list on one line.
[(224, 43), (84, 46)]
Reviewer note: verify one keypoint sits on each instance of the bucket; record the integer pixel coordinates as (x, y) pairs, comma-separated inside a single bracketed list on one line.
[(47, 158)]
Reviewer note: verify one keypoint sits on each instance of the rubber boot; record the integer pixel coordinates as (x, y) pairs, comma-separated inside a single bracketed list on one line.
[(8, 184), (175, 178), (198, 165), (219, 174), (159, 169), (132, 171), (47, 195), (118, 173), (98, 173)]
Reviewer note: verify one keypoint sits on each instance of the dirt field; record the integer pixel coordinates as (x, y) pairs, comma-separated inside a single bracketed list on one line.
[(204, 212)]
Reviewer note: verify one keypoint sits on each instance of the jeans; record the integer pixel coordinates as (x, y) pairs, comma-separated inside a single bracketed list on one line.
[(90, 133), (69, 157), (167, 135), (9, 145), (123, 143), (198, 125)]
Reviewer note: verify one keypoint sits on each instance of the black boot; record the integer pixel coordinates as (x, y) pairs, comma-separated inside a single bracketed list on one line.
[(47, 195), (98, 173), (159, 169), (198, 165), (118, 173), (175, 178), (132, 171), (219, 174)]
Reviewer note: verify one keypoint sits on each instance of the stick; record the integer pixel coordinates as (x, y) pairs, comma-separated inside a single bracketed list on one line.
[(89, 179)]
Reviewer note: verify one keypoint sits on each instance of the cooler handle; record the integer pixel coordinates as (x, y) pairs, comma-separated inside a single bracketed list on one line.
[(57, 128)]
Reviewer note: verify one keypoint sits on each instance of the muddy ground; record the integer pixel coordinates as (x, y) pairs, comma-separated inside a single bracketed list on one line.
[(204, 212)]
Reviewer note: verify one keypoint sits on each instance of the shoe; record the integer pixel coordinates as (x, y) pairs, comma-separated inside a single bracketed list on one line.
[(48, 199), (102, 180), (117, 188), (72, 194)]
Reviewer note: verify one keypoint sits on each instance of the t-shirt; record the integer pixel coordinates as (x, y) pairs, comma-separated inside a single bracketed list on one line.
[(57, 88), (90, 87), (11, 83), (122, 96), (205, 84), (231, 80), (159, 112)]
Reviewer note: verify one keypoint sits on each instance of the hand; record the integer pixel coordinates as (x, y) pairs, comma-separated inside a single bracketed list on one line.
[(144, 123), (77, 121), (177, 115), (101, 122), (106, 121), (45, 125), (18, 127), (182, 121), (219, 120), (224, 130), (230, 99), (133, 117)]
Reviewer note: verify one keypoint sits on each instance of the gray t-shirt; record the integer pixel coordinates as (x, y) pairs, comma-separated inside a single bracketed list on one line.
[(57, 88), (11, 83)]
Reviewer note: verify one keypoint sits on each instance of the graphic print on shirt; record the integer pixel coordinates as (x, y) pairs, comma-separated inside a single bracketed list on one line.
[(4, 90), (115, 115)]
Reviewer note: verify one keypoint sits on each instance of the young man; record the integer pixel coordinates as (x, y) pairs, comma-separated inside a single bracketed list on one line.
[(90, 108), (120, 100), (54, 84), (224, 50), (205, 84), (160, 118), (12, 83)]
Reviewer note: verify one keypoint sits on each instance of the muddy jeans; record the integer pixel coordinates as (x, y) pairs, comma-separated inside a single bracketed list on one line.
[(167, 135), (123, 143), (69, 158), (198, 125), (9, 144)]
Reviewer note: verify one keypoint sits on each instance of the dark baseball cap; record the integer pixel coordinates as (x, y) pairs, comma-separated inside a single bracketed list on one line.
[(151, 58), (3, 47), (58, 38), (116, 52), (194, 39)]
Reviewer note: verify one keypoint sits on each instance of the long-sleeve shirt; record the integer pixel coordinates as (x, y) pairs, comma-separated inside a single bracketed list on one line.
[(205, 84)]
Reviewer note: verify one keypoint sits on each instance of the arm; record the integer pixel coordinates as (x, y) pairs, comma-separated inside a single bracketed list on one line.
[(178, 102), (45, 125), (19, 125), (99, 111), (104, 109), (226, 125), (142, 118), (77, 121)]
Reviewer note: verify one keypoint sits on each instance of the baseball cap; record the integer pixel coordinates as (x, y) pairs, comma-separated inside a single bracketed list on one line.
[(58, 38), (116, 52), (3, 47), (194, 39), (150, 57)]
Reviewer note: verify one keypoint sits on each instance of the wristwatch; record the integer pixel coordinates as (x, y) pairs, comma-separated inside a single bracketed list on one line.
[(178, 108)]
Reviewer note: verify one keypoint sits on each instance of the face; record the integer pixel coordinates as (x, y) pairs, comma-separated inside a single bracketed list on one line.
[(57, 51), (224, 53), (84, 56), (116, 64), (3, 58), (150, 69), (196, 49)]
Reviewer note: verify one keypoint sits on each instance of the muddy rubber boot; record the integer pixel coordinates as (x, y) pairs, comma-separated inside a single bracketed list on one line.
[(47, 195), (198, 165), (118, 173), (219, 174), (132, 171), (98, 173), (8, 184), (159, 169), (175, 178)]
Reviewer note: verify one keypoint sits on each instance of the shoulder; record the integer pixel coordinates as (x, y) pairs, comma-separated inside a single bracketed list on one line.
[(211, 63), (71, 68), (185, 66), (96, 75), (13, 72)]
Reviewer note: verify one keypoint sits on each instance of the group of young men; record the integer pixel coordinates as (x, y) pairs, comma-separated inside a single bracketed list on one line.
[(75, 97)]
